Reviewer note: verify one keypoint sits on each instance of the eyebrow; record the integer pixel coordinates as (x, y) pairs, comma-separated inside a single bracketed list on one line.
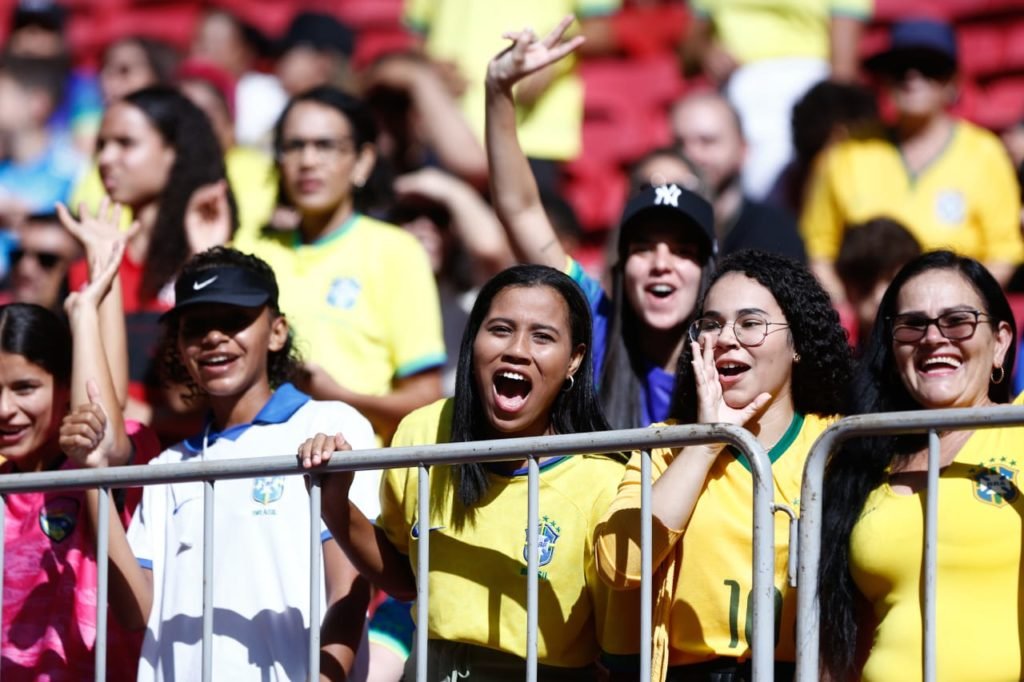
[(513, 323), (739, 313), (953, 309)]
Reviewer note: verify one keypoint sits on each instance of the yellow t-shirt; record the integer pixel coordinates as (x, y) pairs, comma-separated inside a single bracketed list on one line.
[(751, 30), (710, 611), (468, 33), (966, 200), (362, 301), (478, 560), (979, 609)]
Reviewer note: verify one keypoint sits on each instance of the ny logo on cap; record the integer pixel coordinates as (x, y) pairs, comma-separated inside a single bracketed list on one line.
[(667, 195)]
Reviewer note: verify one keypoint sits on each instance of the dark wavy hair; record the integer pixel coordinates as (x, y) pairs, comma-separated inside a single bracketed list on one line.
[(198, 161), (861, 466), (353, 110), (283, 365), (40, 336), (820, 381), (575, 410)]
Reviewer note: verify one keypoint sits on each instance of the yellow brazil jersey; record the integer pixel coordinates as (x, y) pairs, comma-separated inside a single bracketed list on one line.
[(979, 607), (478, 559), (966, 200), (752, 30), (710, 612), (362, 301), (468, 33)]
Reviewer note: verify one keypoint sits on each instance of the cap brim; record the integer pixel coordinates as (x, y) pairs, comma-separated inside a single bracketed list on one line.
[(252, 300), (898, 59)]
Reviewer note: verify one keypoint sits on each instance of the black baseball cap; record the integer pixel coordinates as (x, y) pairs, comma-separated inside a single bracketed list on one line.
[(676, 204), (925, 44), (226, 285), (43, 13)]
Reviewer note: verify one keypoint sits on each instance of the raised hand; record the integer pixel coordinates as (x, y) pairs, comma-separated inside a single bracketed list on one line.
[(528, 53), (208, 220), (84, 436), (103, 269), (98, 232), (711, 405)]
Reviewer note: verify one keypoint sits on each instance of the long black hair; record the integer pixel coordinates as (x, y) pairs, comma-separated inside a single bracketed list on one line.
[(820, 380), (198, 161), (861, 465), (575, 409), (40, 336), (284, 365)]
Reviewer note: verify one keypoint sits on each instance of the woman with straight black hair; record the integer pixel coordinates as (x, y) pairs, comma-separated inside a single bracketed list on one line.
[(767, 353), (524, 370), (945, 337)]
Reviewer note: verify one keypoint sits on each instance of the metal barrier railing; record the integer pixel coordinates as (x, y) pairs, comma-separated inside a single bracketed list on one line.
[(643, 439), (809, 548)]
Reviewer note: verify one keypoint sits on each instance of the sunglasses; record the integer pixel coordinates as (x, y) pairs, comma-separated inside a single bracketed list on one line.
[(47, 260)]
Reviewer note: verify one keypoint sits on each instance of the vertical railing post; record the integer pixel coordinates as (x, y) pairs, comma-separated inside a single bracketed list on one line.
[(931, 546), (423, 573), (646, 568), (532, 565), (207, 580), (102, 580), (763, 647), (3, 553), (315, 562)]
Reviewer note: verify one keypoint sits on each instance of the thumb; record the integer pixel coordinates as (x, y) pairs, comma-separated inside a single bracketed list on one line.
[(92, 389), (755, 406)]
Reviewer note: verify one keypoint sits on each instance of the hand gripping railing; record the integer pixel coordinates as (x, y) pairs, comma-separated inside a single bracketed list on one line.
[(809, 550), (425, 456)]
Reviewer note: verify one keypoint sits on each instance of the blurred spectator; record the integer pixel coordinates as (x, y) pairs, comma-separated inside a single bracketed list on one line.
[(667, 166), (829, 113), (40, 262), (870, 256), (237, 46), (250, 171), (133, 63), (949, 182), (40, 167), (765, 56), (708, 130), (37, 31), (1013, 138), (316, 50), (462, 36)]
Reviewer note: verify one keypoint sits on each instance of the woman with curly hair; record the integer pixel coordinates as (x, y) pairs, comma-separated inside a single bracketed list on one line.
[(233, 343), (158, 156), (945, 337), (767, 352)]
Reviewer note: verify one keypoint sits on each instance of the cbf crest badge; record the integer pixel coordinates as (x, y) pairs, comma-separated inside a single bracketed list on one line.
[(58, 518), (995, 482), (267, 490), (547, 535)]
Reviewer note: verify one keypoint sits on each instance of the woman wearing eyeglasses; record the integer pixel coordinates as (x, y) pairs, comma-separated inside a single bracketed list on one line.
[(945, 337), (767, 352)]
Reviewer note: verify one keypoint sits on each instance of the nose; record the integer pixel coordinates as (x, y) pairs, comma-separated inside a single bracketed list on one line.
[(662, 256), (309, 155), (727, 336), (516, 348), (7, 409), (932, 334)]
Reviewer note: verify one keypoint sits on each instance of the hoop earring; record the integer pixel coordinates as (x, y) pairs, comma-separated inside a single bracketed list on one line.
[(1002, 375), (572, 382), (796, 358)]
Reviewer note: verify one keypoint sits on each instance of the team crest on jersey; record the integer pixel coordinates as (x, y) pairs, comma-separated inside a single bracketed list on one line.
[(548, 533), (343, 293), (268, 489), (58, 518), (950, 207), (995, 482)]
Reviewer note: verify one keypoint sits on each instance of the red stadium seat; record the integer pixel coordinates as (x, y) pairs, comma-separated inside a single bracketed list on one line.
[(981, 49)]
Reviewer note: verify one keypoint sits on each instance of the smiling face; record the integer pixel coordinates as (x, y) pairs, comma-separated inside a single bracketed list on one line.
[(747, 371), (30, 411), (662, 272), (522, 355), (940, 372), (133, 158)]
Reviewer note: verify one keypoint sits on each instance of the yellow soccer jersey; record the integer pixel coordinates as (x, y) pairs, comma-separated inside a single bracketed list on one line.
[(752, 30), (710, 612), (979, 567), (478, 560), (468, 33), (966, 200), (362, 302)]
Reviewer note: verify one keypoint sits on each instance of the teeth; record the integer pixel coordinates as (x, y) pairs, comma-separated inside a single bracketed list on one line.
[(942, 360), (216, 360), (661, 289), (731, 365), (514, 376)]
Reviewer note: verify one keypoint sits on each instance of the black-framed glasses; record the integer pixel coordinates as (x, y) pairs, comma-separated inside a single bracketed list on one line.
[(47, 260), (956, 325), (750, 331), (323, 147)]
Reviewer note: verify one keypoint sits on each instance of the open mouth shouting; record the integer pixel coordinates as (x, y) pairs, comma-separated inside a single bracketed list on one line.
[(660, 290), (939, 365), (511, 390), (731, 371)]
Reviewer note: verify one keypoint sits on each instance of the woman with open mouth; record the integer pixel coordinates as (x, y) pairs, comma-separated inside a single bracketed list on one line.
[(767, 353), (524, 370), (945, 337)]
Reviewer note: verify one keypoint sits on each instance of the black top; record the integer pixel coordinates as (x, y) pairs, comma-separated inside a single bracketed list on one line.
[(765, 228)]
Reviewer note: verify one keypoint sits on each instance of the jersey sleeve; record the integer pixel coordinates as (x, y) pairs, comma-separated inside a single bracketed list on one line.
[(414, 311), (393, 520), (617, 537), (821, 223), (999, 210), (143, 526)]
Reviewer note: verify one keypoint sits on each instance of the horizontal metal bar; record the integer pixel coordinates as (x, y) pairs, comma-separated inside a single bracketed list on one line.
[(384, 458)]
